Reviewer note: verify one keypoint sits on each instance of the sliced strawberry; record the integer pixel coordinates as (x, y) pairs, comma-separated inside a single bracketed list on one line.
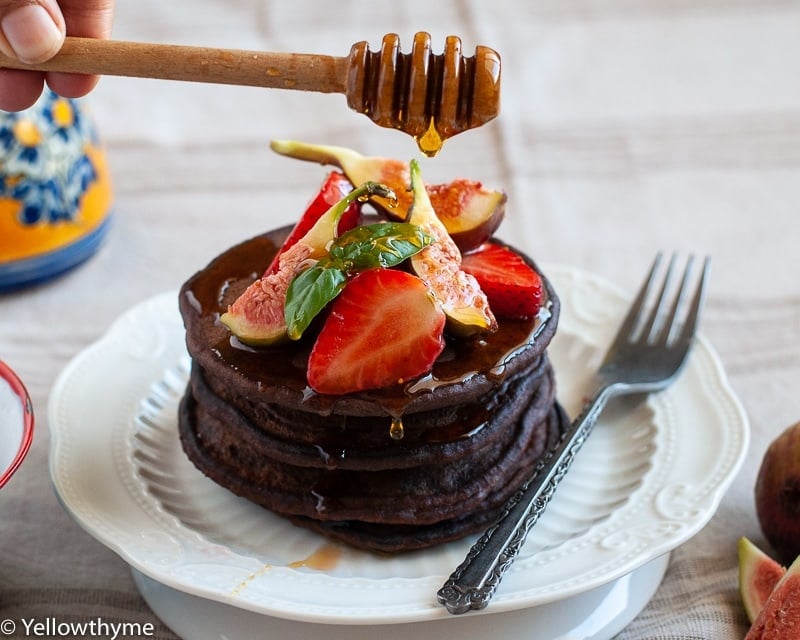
[(383, 329), (335, 187), (513, 287)]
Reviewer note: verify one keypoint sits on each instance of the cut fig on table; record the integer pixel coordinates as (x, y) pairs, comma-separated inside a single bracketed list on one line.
[(758, 575), (779, 618)]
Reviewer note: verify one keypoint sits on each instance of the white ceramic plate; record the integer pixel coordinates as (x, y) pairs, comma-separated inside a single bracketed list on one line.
[(649, 478), (16, 423), (597, 614)]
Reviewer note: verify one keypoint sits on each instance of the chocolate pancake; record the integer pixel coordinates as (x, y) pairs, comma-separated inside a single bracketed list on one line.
[(354, 442), (388, 510), (469, 432)]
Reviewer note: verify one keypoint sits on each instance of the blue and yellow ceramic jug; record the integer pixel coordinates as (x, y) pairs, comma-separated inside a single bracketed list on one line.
[(55, 191)]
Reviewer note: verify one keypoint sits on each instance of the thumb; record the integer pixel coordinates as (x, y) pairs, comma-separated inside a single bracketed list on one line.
[(31, 31)]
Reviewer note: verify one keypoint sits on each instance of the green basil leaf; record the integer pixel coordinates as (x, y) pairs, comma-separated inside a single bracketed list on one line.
[(308, 294), (384, 244)]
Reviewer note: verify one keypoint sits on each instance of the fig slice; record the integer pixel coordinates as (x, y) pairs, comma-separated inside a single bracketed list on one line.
[(779, 618), (471, 213), (358, 168), (439, 266), (257, 317), (758, 575)]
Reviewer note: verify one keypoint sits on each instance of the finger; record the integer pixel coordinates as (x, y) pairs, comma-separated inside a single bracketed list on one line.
[(71, 85), (89, 19), (31, 31), (19, 89)]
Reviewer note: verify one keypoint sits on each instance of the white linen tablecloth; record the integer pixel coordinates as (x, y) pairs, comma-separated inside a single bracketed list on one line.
[(627, 127)]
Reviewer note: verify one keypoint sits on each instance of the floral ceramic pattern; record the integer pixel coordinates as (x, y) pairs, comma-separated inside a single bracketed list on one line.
[(55, 191), (45, 166)]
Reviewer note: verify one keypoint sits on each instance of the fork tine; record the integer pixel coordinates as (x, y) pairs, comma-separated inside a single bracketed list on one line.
[(668, 328), (690, 325), (628, 325), (646, 334)]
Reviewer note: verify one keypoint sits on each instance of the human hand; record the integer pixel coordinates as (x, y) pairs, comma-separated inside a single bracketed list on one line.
[(33, 31)]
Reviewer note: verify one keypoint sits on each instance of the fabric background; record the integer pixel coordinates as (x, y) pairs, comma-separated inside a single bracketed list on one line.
[(627, 127)]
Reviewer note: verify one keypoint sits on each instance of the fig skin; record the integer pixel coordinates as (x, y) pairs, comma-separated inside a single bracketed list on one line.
[(777, 494)]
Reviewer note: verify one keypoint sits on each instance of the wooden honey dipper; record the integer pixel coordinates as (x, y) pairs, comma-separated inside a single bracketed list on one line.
[(431, 97)]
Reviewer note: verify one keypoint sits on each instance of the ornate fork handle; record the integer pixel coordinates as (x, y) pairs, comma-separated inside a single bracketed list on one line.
[(475, 580)]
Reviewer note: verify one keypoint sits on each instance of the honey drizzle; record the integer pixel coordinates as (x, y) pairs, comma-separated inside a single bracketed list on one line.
[(325, 558), (249, 579)]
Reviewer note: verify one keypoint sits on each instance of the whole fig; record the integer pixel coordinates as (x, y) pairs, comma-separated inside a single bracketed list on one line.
[(777, 494)]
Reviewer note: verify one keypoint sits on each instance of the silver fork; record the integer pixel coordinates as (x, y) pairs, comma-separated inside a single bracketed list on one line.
[(649, 350)]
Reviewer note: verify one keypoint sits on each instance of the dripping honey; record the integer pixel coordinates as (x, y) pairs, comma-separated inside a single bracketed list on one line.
[(430, 143), (396, 429)]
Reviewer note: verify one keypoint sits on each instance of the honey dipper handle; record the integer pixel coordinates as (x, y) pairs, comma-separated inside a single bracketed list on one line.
[(298, 71)]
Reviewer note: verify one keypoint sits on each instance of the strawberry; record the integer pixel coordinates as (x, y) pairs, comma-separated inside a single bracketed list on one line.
[(383, 329), (513, 287), (335, 187)]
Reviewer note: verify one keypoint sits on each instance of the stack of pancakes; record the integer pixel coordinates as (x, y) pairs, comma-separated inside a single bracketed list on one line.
[(392, 469)]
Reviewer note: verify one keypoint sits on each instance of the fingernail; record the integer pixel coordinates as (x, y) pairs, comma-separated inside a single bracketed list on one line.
[(32, 33)]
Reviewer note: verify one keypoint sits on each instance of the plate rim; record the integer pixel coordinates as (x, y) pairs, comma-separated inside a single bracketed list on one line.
[(429, 610)]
